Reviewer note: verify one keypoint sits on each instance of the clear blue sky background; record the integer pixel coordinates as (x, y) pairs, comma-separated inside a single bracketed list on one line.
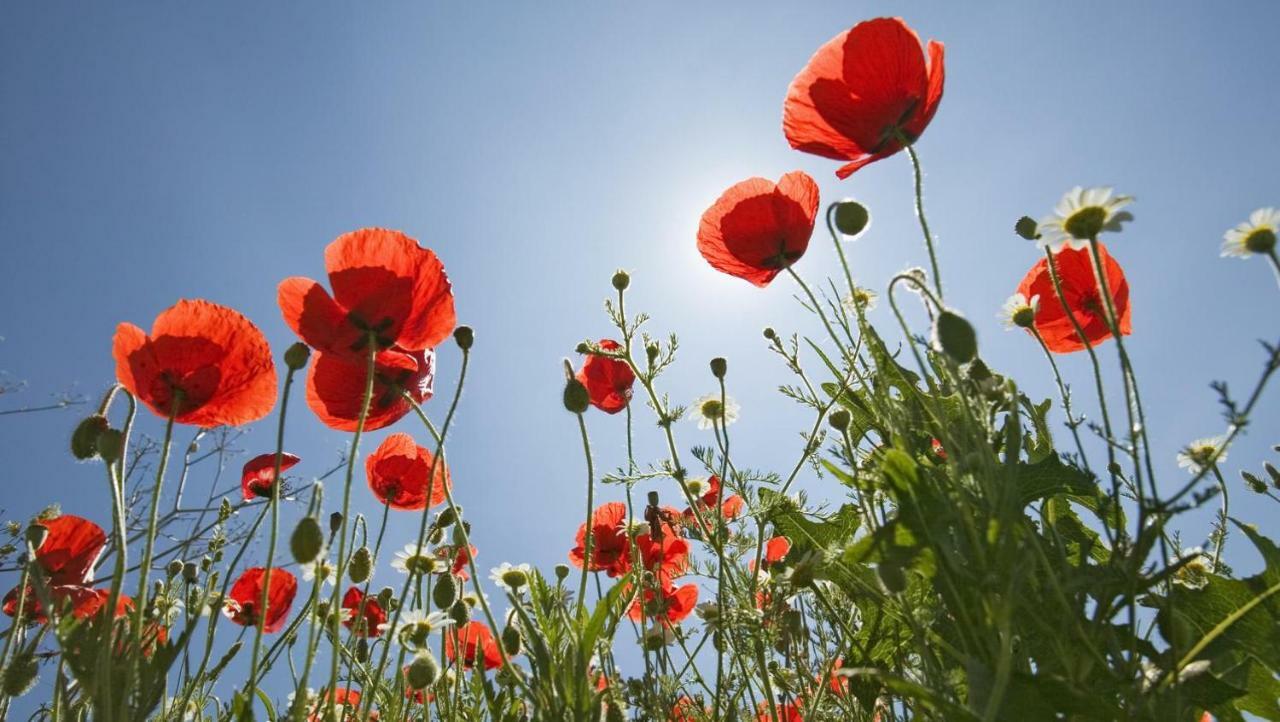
[(161, 151)]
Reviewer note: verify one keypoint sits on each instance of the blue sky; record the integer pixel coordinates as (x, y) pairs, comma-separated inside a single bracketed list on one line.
[(161, 151)]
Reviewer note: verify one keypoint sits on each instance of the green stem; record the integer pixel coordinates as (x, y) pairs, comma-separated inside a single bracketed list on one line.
[(140, 602), (924, 223)]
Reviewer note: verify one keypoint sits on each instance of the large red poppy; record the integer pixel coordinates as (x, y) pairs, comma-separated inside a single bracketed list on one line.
[(1080, 289), (608, 380), (70, 549), (478, 646), (757, 228), (215, 358), (730, 507), (366, 613), (257, 475), (860, 91), (336, 386), (246, 594), (669, 604), (610, 551), (384, 284), (400, 474)]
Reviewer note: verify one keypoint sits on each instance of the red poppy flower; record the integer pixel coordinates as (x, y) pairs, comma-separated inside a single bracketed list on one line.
[(459, 559), (400, 474), (789, 712), (81, 601), (666, 559), (936, 447), (217, 359), (70, 549), (1080, 288), (366, 613), (758, 227), (346, 700), (775, 550), (478, 646), (610, 551), (608, 380), (838, 683), (384, 284), (669, 604), (686, 710), (258, 472), (730, 509), (335, 387), (860, 91), (246, 593)]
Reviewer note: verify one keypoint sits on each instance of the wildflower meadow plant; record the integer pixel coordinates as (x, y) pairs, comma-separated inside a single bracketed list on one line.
[(968, 564)]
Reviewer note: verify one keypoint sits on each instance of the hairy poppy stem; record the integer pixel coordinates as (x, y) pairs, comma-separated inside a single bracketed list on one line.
[(924, 223), (1072, 422), (589, 540), (140, 602)]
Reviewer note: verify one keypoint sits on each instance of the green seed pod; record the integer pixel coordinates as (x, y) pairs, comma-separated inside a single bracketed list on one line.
[(955, 337), (839, 419), (447, 517), (621, 280), (20, 675), (1027, 228), (460, 613), (445, 592), (769, 333), (852, 217), (296, 356), (84, 440), (307, 540), (718, 367), (576, 398), (511, 640), (362, 650), (174, 568), (361, 566), (435, 536), (110, 445), (423, 671), (464, 336), (335, 522), (562, 571)]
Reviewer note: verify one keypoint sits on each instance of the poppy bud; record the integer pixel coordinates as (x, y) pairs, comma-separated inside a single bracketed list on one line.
[(1114, 469), (460, 613), (193, 448), (84, 440), (460, 532), (445, 592), (511, 640), (424, 670), (435, 536), (892, 576), (839, 419), (1273, 473), (769, 333), (955, 337), (1254, 483), (362, 650), (36, 534), (20, 675), (576, 398), (190, 571), (582, 347), (448, 516), (335, 522), (361, 565), (157, 588), (296, 356), (205, 563), (464, 336), (1026, 227), (562, 571), (852, 217), (621, 280), (110, 445), (307, 540), (718, 367), (174, 568)]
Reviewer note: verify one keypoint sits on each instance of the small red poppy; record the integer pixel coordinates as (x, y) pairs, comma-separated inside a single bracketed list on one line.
[(246, 594), (258, 472), (686, 710), (1080, 289), (215, 358), (80, 600), (610, 551), (730, 508), (936, 447), (608, 380), (861, 90), (346, 700), (788, 712), (70, 549), (666, 559), (400, 474), (459, 559), (384, 284), (757, 228), (669, 604), (336, 386), (478, 646), (366, 612), (838, 683), (775, 550)]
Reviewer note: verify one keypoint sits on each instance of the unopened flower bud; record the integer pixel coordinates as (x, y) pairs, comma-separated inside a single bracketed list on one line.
[(460, 533), (583, 347), (362, 650), (174, 568), (852, 217), (205, 563), (335, 522), (464, 336), (448, 516), (445, 591), (157, 588), (955, 337), (20, 675), (435, 536), (361, 566), (718, 367), (511, 640), (296, 356), (1273, 472), (1254, 483), (84, 440), (576, 398), (1027, 228), (36, 534), (307, 540), (621, 280), (424, 670), (562, 571), (769, 333), (190, 571), (460, 613), (839, 419), (652, 351), (110, 445)]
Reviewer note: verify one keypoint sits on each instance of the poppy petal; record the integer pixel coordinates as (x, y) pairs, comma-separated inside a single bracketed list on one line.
[(318, 320)]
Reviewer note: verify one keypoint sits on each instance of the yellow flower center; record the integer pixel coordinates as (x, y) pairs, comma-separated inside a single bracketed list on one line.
[(1086, 223)]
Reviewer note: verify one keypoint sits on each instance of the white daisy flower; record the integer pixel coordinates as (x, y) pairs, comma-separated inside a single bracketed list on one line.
[(657, 637), (860, 296), (1019, 311), (416, 627), (709, 411), (1082, 214), (511, 577), (320, 567), (1196, 570), (709, 613), (697, 485), (416, 558), (1257, 235), (1202, 454), (636, 527)]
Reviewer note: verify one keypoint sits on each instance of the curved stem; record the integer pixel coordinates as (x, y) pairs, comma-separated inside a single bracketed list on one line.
[(924, 223)]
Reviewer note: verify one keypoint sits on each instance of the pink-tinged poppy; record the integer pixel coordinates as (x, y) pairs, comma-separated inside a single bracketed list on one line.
[(1080, 290), (666, 559), (730, 508), (365, 612), (669, 604), (458, 558), (610, 550), (401, 474), (204, 363), (246, 595), (336, 386), (862, 93), (608, 380), (257, 475), (477, 645), (385, 287), (758, 228)]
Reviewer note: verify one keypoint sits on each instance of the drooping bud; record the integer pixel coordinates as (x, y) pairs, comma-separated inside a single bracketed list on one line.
[(20, 675), (464, 336), (445, 591), (335, 522), (1027, 228), (84, 440), (174, 568), (110, 445), (576, 397), (955, 337), (852, 217), (424, 670), (361, 566), (511, 640), (839, 419), (621, 280), (435, 536), (296, 356), (718, 367), (307, 540)]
